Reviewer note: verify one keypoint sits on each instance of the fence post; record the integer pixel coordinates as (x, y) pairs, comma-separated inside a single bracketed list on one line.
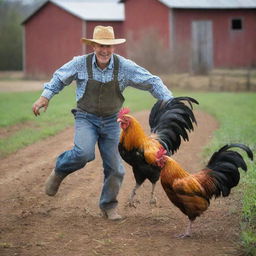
[(248, 79), (210, 80)]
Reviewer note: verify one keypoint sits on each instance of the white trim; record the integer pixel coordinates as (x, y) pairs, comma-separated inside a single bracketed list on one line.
[(210, 4), (24, 50), (171, 30), (84, 29)]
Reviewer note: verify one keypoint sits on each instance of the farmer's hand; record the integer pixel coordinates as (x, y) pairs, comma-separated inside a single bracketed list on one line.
[(42, 102)]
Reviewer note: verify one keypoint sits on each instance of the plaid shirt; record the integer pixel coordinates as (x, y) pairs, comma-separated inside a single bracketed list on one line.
[(130, 74)]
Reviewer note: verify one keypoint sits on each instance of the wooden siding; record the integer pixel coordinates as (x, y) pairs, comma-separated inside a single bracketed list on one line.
[(52, 37), (230, 48), (143, 15)]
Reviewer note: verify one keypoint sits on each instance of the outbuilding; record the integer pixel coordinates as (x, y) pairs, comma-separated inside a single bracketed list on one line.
[(202, 34), (53, 31)]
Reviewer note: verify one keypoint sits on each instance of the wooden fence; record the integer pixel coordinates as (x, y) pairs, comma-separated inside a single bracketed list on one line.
[(217, 80), (244, 80)]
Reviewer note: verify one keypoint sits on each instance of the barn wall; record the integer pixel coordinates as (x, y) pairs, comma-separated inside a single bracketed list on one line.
[(230, 48), (52, 37), (143, 15), (235, 48)]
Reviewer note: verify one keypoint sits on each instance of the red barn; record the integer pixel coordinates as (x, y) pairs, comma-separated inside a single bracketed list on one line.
[(52, 33), (203, 34)]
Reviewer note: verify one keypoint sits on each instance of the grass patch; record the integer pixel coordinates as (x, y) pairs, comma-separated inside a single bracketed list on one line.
[(16, 108), (138, 100)]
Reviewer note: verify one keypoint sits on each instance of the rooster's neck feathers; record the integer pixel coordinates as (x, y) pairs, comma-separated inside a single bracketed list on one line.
[(172, 170), (133, 136)]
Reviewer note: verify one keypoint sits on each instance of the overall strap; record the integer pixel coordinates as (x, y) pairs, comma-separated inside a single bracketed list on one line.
[(89, 65), (116, 67)]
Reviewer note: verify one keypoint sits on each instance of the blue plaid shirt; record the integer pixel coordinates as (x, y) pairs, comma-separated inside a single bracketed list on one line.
[(130, 74)]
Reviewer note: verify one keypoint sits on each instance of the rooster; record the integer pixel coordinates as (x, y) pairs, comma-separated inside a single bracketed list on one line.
[(191, 193), (169, 122)]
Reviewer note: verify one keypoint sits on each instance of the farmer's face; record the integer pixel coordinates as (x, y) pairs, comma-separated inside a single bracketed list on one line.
[(103, 54)]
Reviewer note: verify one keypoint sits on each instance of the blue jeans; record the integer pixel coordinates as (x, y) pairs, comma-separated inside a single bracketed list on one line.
[(90, 129)]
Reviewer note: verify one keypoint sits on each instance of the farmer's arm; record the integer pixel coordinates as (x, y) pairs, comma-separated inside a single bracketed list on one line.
[(61, 78), (140, 78), (42, 102)]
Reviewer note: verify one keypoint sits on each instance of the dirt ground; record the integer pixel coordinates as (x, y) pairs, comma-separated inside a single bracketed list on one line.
[(20, 86), (33, 224)]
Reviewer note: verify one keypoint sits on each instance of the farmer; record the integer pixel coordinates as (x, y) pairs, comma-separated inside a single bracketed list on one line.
[(101, 77)]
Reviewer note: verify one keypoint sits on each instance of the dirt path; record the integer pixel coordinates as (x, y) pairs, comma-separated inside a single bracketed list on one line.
[(70, 223), (20, 85)]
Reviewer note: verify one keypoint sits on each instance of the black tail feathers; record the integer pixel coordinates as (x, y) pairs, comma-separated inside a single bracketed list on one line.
[(224, 165), (172, 120)]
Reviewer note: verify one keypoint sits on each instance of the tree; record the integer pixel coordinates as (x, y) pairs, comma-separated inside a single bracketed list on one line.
[(12, 12), (11, 36)]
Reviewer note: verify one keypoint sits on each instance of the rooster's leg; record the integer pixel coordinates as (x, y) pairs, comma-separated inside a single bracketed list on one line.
[(188, 230), (153, 198), (133, 193)]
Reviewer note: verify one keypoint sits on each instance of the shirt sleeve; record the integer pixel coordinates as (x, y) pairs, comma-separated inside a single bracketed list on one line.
[(61, 78), (140, 78)]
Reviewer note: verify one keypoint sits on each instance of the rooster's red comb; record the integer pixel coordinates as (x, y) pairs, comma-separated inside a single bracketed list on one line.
[(160, 153), (123, 111)]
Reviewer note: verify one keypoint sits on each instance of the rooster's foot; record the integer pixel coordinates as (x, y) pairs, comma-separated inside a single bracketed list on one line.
[(132, 203), (183, 235), (152, 201)]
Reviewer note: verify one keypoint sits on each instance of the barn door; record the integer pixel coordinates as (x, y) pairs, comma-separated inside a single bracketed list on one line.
[(202, 46)]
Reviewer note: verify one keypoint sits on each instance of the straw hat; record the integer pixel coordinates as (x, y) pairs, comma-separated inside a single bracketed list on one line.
[(103, 35)]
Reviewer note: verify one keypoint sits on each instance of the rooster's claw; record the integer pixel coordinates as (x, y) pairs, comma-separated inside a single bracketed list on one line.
[(152, 202)]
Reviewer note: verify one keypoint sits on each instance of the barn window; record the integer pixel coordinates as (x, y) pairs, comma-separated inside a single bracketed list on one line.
[(236, 24)]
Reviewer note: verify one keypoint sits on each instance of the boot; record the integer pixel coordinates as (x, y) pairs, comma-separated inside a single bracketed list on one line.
[(111, 214), (52, 183)]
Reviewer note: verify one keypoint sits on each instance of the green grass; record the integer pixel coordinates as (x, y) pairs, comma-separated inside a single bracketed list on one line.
[(235, 113), (17, 107), (16, 110)]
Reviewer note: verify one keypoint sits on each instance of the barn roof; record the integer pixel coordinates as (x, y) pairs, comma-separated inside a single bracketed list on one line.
[(210, 4), (91, 11)]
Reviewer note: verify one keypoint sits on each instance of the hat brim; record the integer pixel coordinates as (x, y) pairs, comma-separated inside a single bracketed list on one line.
[(104, 41)]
